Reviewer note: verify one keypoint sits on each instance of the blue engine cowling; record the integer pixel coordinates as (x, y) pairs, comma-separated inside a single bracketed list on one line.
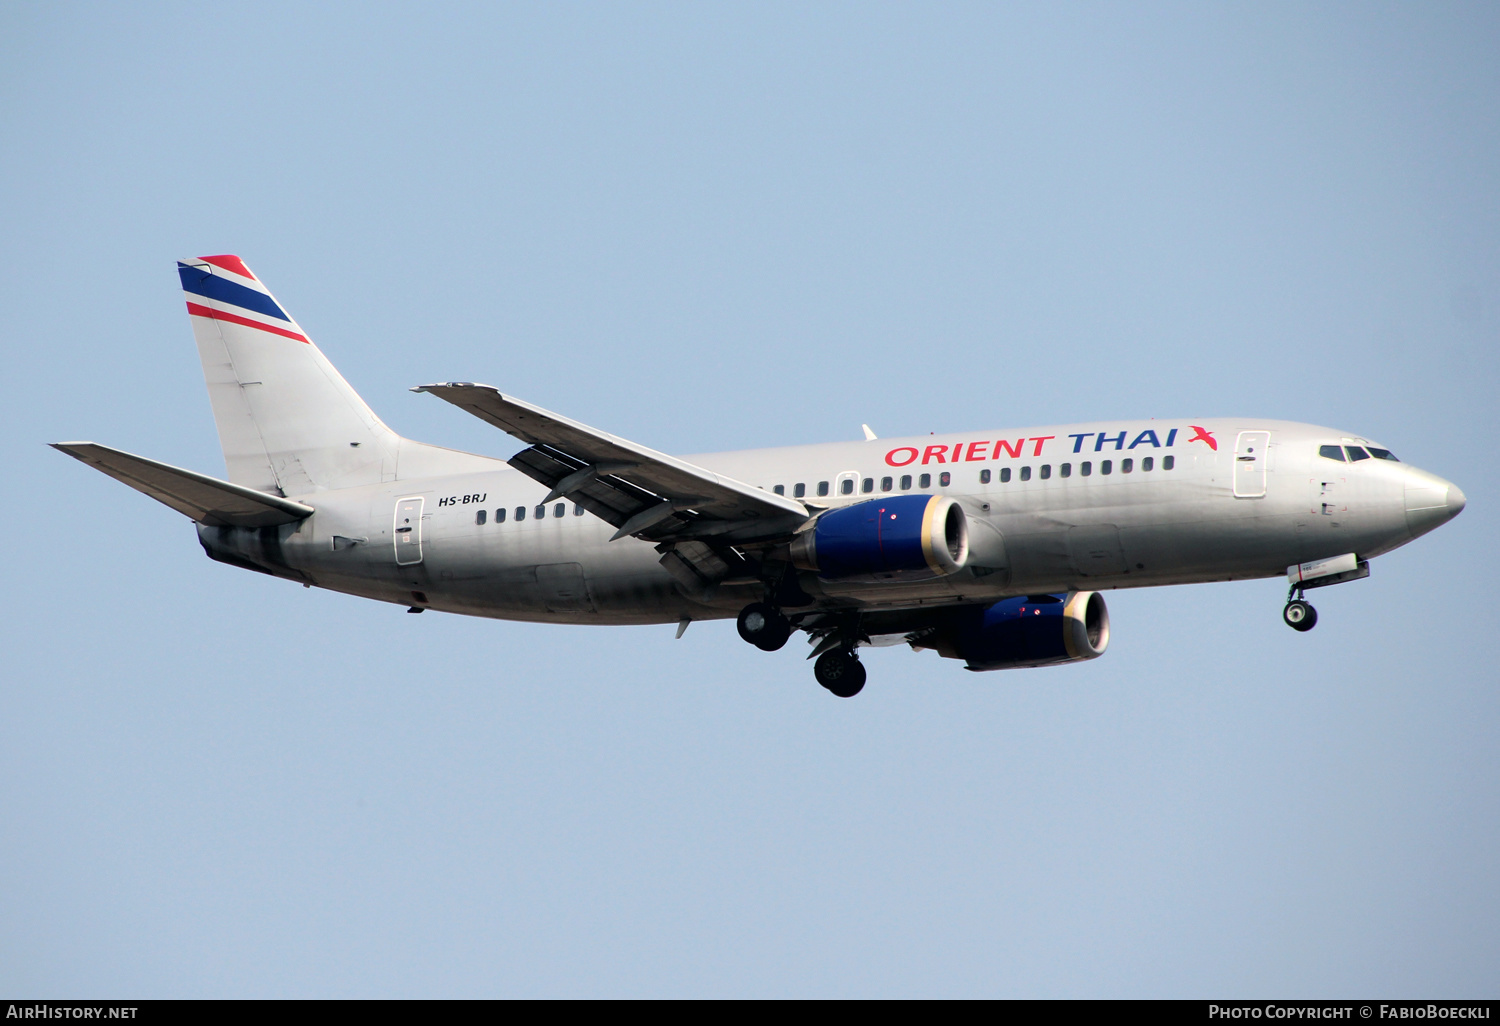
[(1037, 630), (893, 538)]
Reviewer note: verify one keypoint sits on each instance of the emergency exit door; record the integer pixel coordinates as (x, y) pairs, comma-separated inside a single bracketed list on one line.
[(1250, 464), (408, 531)]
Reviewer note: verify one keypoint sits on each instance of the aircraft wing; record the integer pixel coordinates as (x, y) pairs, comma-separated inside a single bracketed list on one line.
[(198, 496), (640, 491)]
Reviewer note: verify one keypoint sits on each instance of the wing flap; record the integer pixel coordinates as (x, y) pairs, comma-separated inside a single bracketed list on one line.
[(610, 499), (197, 496), (618, 480)]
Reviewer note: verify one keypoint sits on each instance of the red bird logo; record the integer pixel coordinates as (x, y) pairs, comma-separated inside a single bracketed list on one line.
[(1204, 436)]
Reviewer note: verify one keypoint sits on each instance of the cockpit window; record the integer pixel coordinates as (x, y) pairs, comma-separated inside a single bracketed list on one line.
[(1331, 452), (1383, 454), (1356, 453)]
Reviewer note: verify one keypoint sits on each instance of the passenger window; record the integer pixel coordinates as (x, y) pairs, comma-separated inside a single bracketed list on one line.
[(799, 490), (945, 478), (1046, 471), (905, 482), (1126, 466), (1025, 473), (1147, 464), (1106, 466), (925, 481), (1085, 468), (1168, 462), (520, 513), (867, 485), (779, 489), (560, 509), (1383, 454), (1066, 470), (822, 487), (499, 516), (481, 517), (846, 486), (1331, 452), (886, 484), (984, 477), (577, 510), (1356, 453), (541, 512), (1004, 475)]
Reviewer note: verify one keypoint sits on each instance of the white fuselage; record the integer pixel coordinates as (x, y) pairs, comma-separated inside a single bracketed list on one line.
[(1052, 509)]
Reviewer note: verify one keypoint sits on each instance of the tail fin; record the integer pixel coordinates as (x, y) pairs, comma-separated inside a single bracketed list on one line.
[(288, 422)]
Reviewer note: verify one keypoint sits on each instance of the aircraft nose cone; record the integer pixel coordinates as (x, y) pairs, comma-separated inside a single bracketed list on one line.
[(1430, 501), (1456, 500)]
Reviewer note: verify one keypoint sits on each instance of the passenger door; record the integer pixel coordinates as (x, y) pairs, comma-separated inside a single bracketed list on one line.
[(408, 530), (1250, 451)]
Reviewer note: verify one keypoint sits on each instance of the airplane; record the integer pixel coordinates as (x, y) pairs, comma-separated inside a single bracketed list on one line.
[(991, 547)]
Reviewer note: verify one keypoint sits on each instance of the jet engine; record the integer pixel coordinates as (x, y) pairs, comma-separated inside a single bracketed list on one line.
[(1035, 630), (893, 538)]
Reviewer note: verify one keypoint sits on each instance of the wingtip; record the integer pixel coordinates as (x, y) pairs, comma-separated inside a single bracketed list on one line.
[(447, 384), (451, 384)]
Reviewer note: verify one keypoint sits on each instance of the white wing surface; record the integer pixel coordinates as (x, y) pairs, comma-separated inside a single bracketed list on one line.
[(640, 491)]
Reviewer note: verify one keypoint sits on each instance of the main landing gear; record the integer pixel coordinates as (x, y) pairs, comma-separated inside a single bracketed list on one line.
[(764, 626), (1299, 613), (841, 672), (838, 669)]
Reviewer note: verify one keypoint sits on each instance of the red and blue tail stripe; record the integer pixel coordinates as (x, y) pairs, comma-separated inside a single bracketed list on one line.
[(223, 289)]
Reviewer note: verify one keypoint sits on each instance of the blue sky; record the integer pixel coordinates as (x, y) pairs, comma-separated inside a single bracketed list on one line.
[(707, 227)]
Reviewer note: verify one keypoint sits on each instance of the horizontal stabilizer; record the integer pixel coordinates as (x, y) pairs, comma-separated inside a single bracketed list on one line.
[(198, 496)]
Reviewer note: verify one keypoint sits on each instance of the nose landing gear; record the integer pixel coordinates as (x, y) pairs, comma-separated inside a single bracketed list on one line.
[(1299, 614)]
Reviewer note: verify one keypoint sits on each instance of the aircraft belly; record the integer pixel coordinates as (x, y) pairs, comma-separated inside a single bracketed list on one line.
[(1094, 551), (571, 576), (1197, 536)]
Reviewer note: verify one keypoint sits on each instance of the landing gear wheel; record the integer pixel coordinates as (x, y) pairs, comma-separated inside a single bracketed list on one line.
[(840, 672), (763, 626), (1300, 616)]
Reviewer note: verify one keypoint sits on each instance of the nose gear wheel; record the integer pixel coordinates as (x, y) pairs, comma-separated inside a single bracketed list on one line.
[(1299, 615)]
